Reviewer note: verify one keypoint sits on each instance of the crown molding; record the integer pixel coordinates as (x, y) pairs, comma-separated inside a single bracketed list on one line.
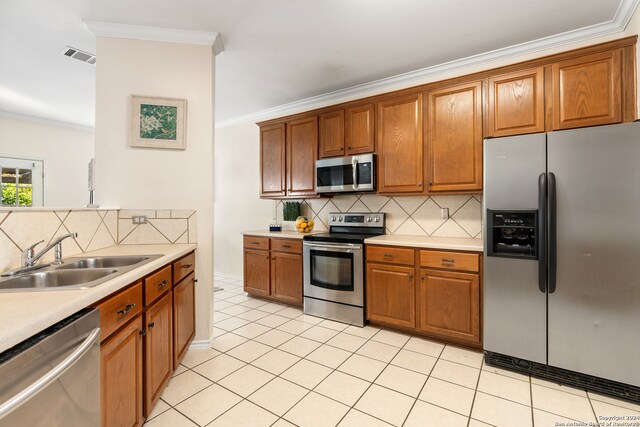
[(47, 122), (413, 78), (169, 35)]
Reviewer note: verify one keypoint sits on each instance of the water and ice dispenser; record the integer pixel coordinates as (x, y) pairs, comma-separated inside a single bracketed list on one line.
[(512, 234)]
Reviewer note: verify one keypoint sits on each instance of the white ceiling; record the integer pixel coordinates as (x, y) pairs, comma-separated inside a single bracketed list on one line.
[(276, 51)]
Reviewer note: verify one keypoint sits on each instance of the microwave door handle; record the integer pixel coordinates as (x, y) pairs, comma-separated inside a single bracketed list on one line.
[(355, 173)]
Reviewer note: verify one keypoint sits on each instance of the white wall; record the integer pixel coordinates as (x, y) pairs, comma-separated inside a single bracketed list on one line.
[(154, 178), (237, 206), (66, 153), (237, 152)]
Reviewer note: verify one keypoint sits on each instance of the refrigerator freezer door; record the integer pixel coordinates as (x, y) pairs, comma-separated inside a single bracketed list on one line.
[(594, 312), (514, 307)]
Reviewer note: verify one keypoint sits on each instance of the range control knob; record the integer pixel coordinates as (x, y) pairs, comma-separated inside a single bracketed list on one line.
[(377, 219), (333, 218), (340, 219), (369, 219)]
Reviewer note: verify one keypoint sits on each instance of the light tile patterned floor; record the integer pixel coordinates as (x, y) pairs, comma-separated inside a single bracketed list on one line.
[(271, 365)]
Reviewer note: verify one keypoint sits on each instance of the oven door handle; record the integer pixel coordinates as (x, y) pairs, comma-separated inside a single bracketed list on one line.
[(333, 247)]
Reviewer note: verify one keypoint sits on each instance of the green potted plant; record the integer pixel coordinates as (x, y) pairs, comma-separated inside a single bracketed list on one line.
[(290, 211)]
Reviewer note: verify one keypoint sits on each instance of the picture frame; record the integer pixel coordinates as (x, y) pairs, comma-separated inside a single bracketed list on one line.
[(158, 122)]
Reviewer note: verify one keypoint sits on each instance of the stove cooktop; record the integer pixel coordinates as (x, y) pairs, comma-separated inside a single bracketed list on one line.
[(338, 237)]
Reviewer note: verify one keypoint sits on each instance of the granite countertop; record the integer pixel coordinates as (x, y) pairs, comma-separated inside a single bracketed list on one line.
[(24, 314), (451, 243), (281, 234)]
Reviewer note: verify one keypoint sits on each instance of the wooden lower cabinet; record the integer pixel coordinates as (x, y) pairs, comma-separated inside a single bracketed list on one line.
[(275, 274), (449, 305), (138, 343), (391, 294), (286, 277), (158, 349), (256, 272), (121, 377), (184, 317), (442, 301)]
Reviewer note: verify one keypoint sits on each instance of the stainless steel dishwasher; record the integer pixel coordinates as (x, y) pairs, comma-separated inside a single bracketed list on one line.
[(53, 378)]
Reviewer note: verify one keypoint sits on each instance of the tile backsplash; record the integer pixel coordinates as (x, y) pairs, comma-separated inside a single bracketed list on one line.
[(413, 215), (96, 229)]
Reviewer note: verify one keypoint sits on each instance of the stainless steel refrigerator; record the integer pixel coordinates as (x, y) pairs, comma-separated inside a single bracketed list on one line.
[(562, 256)]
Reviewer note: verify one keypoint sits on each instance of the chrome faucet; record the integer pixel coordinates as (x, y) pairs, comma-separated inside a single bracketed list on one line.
[(30, 258)]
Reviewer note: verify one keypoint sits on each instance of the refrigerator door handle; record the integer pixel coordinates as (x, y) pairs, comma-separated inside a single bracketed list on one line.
[(552, 233), (541, 235)]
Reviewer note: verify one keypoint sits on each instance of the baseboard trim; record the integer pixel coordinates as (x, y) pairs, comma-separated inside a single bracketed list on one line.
[(200, 344)]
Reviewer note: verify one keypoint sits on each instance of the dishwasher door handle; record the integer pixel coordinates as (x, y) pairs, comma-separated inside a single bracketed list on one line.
[(16, 401)]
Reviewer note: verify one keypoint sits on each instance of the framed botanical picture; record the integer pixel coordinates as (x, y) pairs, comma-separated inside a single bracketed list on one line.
[(158, 122)]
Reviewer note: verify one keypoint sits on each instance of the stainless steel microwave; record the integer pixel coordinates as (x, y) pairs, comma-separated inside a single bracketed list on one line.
[(346, 174)]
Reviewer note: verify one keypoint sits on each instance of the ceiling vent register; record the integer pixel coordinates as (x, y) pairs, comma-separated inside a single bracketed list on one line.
[(78, 54)]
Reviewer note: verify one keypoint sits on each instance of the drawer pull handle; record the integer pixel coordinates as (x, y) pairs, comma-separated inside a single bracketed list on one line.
[(255, 243), (388, 255), (187, 266), (286, 246), (163, 283), (126, 309), (142, 332), (151, 324), (450, 261)]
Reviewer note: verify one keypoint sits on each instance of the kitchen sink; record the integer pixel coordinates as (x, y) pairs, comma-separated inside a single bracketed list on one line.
[(103, 262), (74, 273), (57, 279)]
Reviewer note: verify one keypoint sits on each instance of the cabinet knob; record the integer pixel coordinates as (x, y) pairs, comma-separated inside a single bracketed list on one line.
[(430, 184), (420, 184), (274, 258), (411, 277), (151, 324), (422, 278), (163, 283), (267, 258), (349, 147), (142, 332)]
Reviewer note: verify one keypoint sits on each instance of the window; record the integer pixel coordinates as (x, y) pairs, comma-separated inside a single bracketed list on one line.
[(22, 182)]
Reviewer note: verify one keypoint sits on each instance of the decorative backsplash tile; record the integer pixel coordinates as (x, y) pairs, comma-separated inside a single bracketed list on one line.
[(413, 215), (96, 229)]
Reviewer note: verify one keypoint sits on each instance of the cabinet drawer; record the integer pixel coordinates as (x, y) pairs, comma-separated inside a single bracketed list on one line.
[(252, 242), (183, 267), (157, 284), (450, 260), (119, 309), (392, 255), (286, 245)]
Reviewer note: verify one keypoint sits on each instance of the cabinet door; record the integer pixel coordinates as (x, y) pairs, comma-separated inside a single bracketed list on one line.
[(184, 317), (158, 349), (302, 153), (391, 294), (516, 103), (359, 129), (286, 277), (272, 160), (121, 377), (454, 138), (449, 305), (256, 272), (400, 148), (331, 128), (587, 91)]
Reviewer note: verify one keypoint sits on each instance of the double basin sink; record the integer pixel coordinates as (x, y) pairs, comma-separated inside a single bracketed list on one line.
[(74, 273)]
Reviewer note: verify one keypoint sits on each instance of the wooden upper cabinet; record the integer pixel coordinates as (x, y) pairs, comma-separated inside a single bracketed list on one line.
[(400, 145), (359, 129), (516, 103), (302, 153), (331, 127), (272, 160), (454, 138), (587, 90)]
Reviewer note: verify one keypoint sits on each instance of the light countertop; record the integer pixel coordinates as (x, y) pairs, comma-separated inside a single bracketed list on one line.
[(24, 314), (281, 234), (451, 243)]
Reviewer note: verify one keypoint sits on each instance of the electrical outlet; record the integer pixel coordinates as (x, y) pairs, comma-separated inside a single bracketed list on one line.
[(140, 219), (444, 213)]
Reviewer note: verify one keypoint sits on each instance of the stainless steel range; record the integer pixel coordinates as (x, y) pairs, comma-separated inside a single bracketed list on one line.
[(333, 267)]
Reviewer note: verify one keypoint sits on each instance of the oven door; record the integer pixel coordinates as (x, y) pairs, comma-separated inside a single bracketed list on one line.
[(345, 174), (334, 272)]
